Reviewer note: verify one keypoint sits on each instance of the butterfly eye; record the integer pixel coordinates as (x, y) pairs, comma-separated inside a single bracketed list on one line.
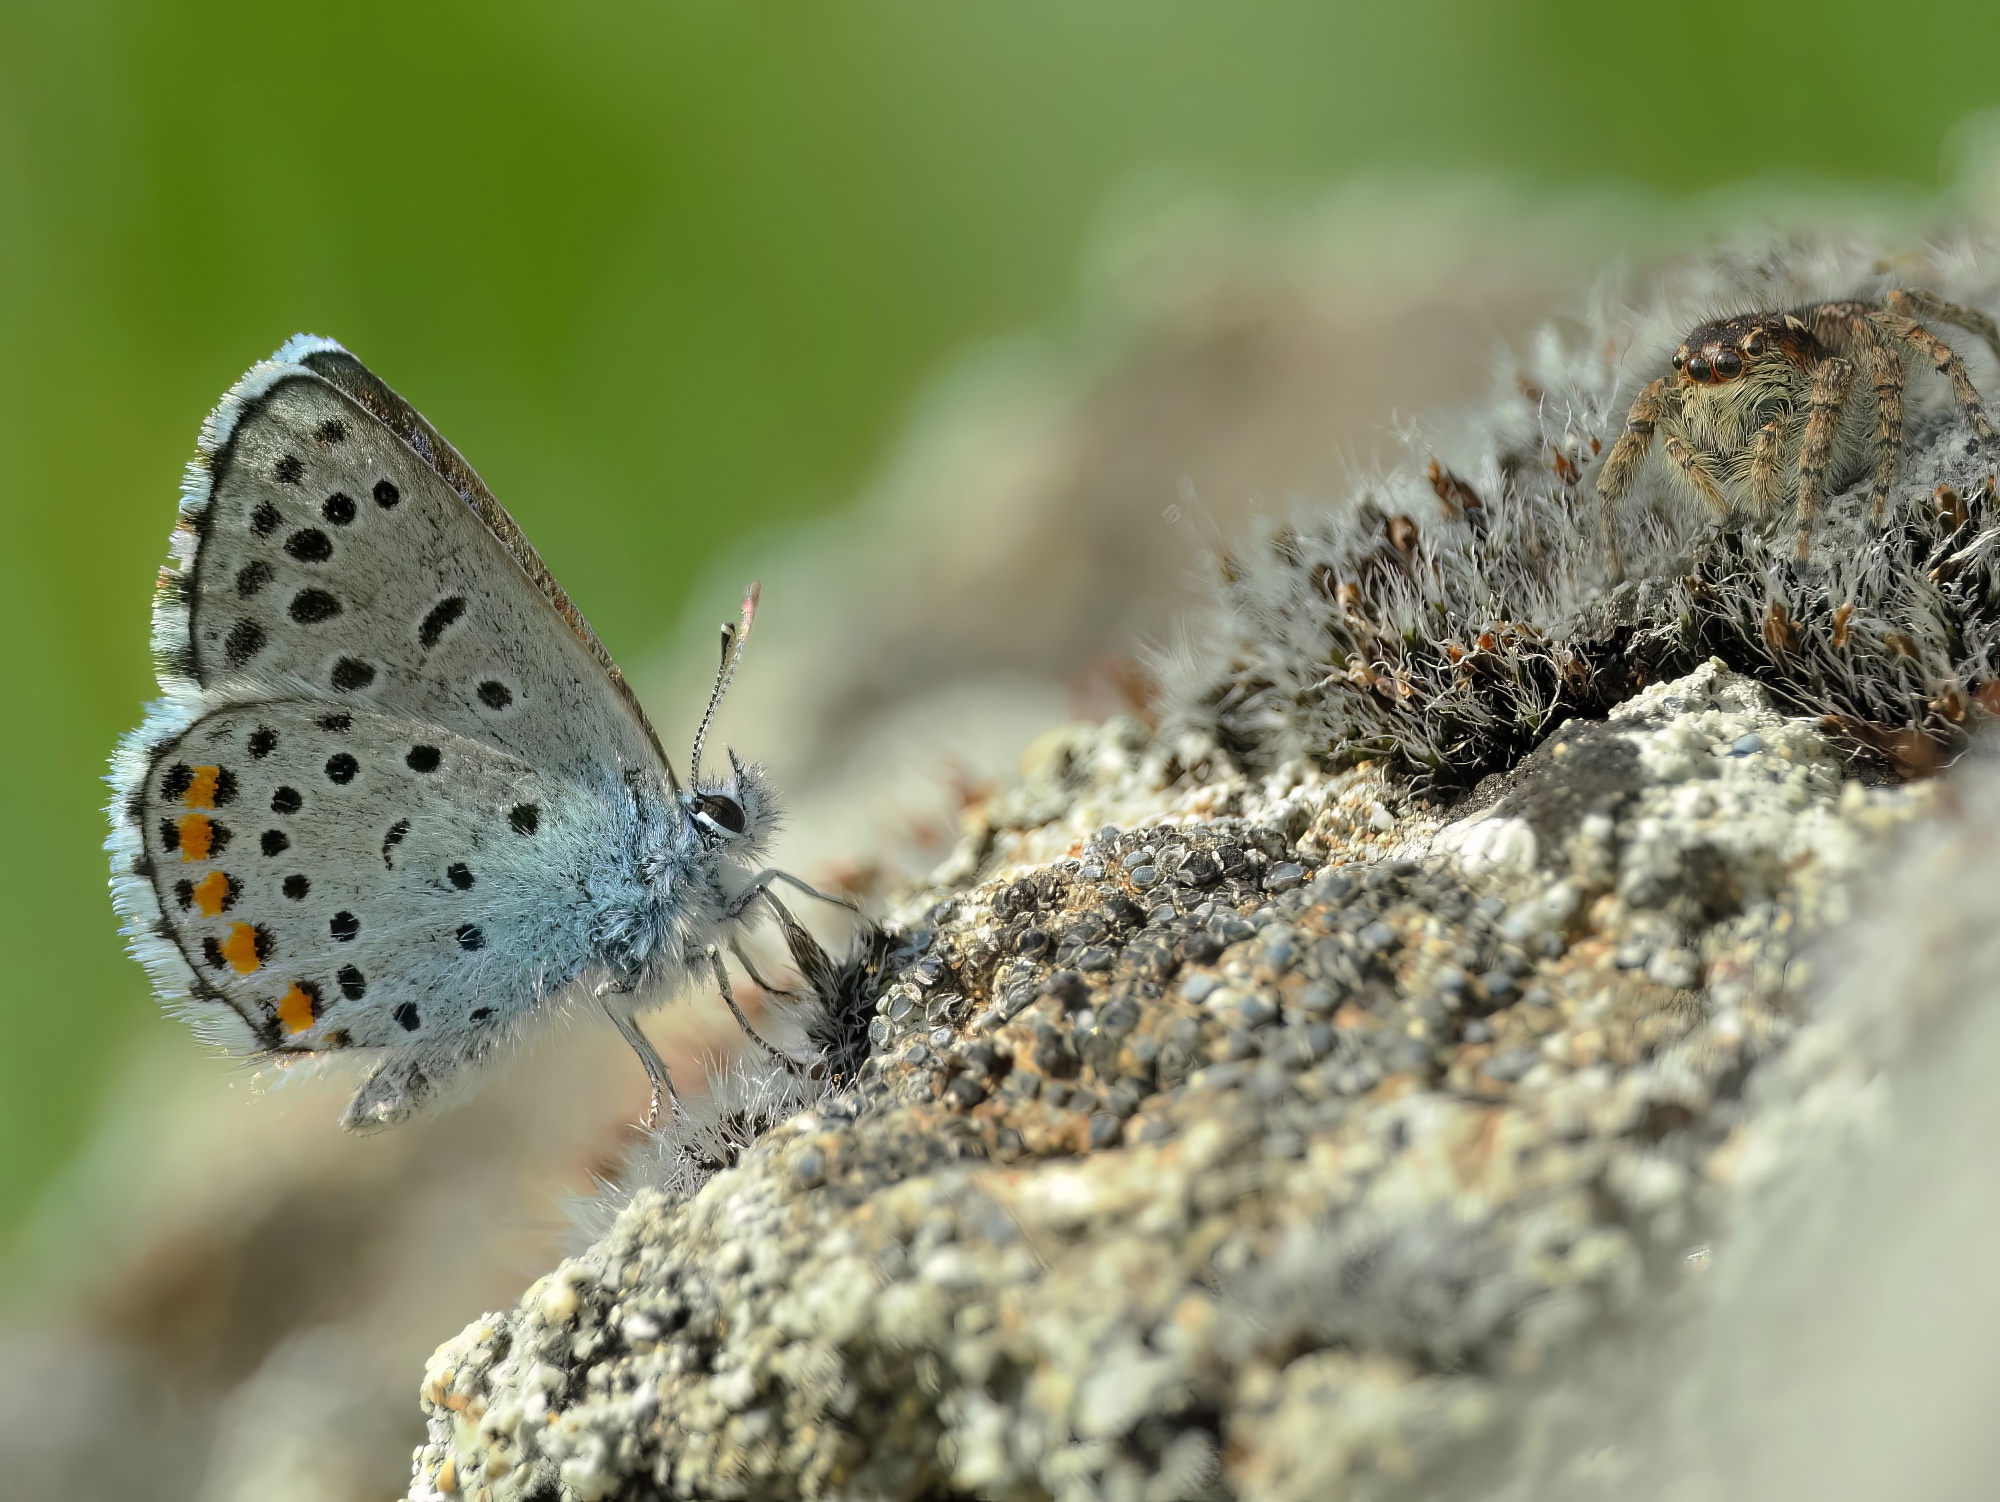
[(724, 813)]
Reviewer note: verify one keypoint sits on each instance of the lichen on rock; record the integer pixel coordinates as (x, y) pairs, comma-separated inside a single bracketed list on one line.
[(1220, 1135)]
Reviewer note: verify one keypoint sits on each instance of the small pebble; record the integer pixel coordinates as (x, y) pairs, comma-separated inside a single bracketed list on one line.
[(1284, 876), (1196, 987)]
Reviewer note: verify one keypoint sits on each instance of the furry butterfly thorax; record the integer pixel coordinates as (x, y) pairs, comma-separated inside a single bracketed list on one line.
[(395, 797)]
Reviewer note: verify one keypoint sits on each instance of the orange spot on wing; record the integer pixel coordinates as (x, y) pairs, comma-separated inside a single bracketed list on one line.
[(240, 948), (211, 893), (197, 835), (201, 789), (295, 1010)]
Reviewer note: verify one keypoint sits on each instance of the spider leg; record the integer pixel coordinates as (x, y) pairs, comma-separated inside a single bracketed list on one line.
[(1766, 465), (1614, 476), (1947, 363), (1698, 466), (1885, 374), (1831, 383), (1909, 300)]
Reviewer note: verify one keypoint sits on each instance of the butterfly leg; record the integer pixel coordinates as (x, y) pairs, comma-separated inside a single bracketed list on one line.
[(729, 1000), (649, 1057), (761, 882), (822, 976), (750, 970)]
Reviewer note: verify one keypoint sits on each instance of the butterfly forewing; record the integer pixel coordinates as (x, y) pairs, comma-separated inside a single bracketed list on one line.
[(332, 558)]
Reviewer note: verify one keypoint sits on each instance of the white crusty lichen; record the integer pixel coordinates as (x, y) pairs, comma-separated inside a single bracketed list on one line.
[(1452, 611)]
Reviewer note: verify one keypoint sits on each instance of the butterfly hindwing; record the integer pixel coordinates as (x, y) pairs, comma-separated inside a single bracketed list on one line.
[(339, 878)]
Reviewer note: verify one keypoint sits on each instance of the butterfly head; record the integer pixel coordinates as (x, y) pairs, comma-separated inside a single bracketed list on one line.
[(737, 815)]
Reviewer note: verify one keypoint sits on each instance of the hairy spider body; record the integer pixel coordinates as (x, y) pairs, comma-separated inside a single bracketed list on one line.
[(1762, 406)]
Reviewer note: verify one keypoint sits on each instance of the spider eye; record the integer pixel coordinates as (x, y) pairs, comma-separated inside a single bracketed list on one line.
[(724, 813), (1680, 358), (1754, 345), (1728, 365), (1698, 368)]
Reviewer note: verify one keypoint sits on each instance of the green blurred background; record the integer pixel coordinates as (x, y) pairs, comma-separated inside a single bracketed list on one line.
[(671, 271)]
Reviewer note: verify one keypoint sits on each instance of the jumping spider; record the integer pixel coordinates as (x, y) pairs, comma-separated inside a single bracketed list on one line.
[(1760, 394)]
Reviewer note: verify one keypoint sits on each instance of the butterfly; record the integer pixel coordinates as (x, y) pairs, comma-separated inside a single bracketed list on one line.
[(395, 797)]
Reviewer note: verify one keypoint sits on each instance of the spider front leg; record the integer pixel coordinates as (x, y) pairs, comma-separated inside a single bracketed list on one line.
[(1831, 383), (1614, 476), (1947, 364), (1767, 452), (1698, 465)]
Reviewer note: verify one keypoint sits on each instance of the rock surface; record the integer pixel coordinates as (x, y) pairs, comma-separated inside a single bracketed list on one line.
[(1271, 1138)]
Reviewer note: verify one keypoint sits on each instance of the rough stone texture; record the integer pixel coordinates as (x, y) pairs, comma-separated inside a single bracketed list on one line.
[(1268, 1138)]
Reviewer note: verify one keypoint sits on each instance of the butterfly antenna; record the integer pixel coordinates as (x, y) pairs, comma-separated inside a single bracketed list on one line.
[(734, 635)]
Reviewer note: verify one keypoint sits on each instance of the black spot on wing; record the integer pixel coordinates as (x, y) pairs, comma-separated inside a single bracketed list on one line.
[(423, 759), (332, 431), (386, 494), (351, 674), (245, 641), (470, 937), (392, 839), (263, 741), (460, 875), (212, 952), (340, 768), (406, 1017), (275, 842), (184, 894), (337, 724), (296, 887), (440, 616), (495, 694), (170, 835), (338, 509), (174, 786), (343, 926), (525, 817), (266, 519), (311, 606), (252, 577), (225, 787), (352, 984), (309, 545), (286, 801), (289, 470)]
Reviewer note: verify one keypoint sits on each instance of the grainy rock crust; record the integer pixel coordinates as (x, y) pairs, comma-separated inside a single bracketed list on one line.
[(1273, 1138)]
